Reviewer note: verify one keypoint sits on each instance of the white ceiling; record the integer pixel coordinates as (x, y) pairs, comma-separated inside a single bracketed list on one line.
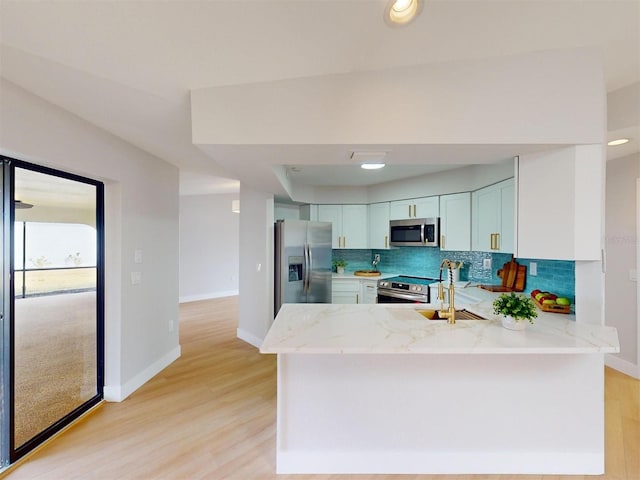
[(128, 67)]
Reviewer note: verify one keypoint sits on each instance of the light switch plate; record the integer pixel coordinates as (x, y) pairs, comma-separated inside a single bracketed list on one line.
[(136, 278), (137, 256), (533, 269)]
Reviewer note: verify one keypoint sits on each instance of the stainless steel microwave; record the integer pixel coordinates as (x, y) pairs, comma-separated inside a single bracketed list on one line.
[(414, 232)]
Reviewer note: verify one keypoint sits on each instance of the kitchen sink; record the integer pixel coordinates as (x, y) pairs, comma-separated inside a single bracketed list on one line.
[(462, 314)]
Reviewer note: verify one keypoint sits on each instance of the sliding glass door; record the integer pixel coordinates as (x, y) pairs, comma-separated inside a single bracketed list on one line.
[(54, 337)]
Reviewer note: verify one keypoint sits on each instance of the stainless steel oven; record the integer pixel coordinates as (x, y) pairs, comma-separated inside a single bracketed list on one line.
[(404, 289)]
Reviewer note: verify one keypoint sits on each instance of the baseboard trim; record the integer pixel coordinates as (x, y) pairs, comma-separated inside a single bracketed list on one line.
[(207, 296), (117, 393), (248, 337), (622, 365)]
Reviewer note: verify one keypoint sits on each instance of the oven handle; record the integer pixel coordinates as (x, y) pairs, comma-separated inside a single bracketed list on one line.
[(387, 293)]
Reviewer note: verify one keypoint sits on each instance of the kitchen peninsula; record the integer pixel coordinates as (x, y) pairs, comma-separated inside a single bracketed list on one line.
[(380, 389)]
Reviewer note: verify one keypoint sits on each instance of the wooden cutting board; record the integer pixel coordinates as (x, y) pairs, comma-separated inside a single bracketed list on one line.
[(521, 278), (513, 277)]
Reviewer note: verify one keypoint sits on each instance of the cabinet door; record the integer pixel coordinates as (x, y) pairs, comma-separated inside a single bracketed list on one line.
[(379, 225), (506, 240), (345, 291), (486, 212), (369, 293), (455, 222), (333, 214), (427, 207), (493, 218), (354, 226), (400, 210)]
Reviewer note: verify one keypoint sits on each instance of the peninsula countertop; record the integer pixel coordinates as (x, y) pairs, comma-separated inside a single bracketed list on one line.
[(399, 329)]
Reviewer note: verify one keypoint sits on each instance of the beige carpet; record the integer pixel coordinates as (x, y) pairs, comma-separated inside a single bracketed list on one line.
[(55, 360)]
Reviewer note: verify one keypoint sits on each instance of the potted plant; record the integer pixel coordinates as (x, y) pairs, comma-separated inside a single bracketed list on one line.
[(515, 310), (339, 265)]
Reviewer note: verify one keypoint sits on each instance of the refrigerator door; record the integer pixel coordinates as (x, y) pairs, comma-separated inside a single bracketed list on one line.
[(319, 273), (290, 241)]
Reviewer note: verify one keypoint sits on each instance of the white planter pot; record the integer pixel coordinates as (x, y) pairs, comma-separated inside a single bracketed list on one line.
[(512, 324), (340, 270)]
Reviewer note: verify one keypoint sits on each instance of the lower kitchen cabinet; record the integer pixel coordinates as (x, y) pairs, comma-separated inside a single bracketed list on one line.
[(345, 290), (354, 290), (369, 290)]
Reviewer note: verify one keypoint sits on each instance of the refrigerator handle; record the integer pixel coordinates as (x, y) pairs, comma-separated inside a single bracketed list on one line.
[(310, 269), (305, 273)]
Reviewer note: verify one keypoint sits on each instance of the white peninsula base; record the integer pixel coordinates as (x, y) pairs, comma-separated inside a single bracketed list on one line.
[(456, 414), (379, 389)]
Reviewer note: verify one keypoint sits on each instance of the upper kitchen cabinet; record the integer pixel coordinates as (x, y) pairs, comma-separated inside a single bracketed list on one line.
[(350, 229), (455, 222), (493, 218), (379, 225), (426, 207), (560, 209)]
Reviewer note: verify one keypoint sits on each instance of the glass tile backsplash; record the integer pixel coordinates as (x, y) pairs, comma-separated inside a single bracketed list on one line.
[(557, 276)]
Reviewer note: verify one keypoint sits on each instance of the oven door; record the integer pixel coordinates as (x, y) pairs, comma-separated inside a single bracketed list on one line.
[(387, 296)]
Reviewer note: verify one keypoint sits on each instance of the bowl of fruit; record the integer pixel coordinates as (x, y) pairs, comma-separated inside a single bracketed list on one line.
[(550, 302)]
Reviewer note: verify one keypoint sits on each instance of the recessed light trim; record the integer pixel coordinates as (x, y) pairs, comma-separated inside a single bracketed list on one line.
[(372, 166), (619, 141), (402, 12)]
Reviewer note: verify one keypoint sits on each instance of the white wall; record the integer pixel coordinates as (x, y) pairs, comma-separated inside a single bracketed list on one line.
[(621, 253), (255, 311), (209, 247), (141, 213)]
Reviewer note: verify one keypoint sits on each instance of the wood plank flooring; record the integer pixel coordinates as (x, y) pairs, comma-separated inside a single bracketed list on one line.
[(211, 415)]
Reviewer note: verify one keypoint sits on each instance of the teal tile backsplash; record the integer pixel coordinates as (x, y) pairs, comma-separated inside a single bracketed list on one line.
[(557, 276)]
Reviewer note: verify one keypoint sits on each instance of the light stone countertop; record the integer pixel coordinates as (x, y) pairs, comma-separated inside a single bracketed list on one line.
[(398, 328)]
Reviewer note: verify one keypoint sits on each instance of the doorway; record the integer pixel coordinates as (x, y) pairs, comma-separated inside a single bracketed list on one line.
[(52, 305)]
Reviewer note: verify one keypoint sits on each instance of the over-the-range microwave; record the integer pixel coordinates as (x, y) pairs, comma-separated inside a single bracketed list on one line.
[(414, 232)]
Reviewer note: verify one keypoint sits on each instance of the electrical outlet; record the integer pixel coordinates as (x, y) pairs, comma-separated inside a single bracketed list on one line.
[(533, 269), (486, 263)]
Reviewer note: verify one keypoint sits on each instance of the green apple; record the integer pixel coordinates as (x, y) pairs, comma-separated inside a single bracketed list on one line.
[(563, 301), (540, 295), (549, 301)]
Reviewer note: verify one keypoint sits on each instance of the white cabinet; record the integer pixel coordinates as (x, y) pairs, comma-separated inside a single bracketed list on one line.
[(426, 207), (369, 291), (353, 290), (560, 209), (379, 225), (345, 290), (349, 222), (455, 222), (493, 218)]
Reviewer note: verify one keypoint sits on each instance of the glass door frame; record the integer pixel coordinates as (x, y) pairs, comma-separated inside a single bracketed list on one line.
[(8, 451)]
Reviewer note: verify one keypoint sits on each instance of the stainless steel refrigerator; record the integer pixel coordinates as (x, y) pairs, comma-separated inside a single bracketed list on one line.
[(302, 262)]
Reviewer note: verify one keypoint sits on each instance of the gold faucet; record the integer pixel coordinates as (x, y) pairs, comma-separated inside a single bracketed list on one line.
[(450, 313)]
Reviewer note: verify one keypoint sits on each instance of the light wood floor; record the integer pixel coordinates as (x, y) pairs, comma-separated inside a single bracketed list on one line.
[(211, 415)]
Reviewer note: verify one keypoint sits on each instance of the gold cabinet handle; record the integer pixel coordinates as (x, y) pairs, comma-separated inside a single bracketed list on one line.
[(414, 212), (441, 241), (497, 241), (409, 211), (344, 242), (491, 242), (386, 241)]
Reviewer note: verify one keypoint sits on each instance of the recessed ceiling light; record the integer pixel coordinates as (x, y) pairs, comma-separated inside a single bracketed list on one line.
[(619, 141), (402, 12), (372, 166)]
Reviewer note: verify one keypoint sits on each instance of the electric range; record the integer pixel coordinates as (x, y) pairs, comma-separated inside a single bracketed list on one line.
[(404, 289)]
